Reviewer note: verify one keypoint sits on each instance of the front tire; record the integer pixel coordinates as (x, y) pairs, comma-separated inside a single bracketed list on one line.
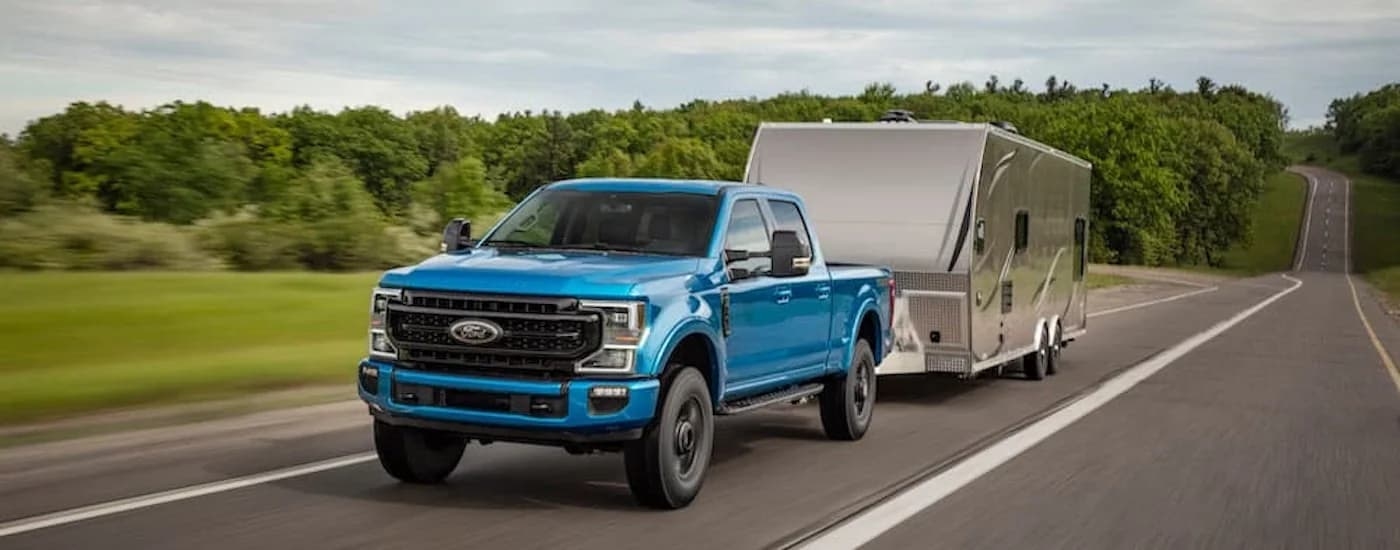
[(416, 455), (848, 403), (667, 466)]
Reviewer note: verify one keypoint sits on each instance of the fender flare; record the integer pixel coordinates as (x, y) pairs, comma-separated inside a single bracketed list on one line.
[(688, 327), (868, 305)]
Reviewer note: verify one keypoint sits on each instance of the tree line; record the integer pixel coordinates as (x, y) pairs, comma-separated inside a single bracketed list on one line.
[(1175, 172), (1368, 126)]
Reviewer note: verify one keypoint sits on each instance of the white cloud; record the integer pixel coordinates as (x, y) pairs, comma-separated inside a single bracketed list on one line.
[(486, 57)]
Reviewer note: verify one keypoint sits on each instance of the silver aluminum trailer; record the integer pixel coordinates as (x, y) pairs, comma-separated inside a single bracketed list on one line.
[(986, 231)]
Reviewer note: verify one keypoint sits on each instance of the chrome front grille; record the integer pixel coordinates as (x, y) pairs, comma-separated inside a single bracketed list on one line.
[(536, 334)]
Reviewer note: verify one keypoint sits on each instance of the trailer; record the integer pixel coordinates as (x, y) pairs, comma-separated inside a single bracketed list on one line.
[(986, 231)]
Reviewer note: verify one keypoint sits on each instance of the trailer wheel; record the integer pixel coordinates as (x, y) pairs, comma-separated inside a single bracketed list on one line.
[(1052, 359), (416, 455), (1034, 364), (848, 402), (666, 467)]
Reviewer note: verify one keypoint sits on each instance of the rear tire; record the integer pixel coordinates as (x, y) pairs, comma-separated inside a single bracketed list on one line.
[(416, 455), (848, 402), (1052, 365), (667, 466), (1034, 364)]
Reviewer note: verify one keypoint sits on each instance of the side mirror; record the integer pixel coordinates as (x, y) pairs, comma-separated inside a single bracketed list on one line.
[(791, 258), (457, 235)]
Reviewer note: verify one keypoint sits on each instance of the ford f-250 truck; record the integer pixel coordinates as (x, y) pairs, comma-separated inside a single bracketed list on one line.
[(621, 315)]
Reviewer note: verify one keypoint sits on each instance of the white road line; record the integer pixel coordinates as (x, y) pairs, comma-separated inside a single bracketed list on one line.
[(1154, 302), (1389, 365), (1307, 222), (1346, 226), (864, 527), (145, 501), (1152, 277)]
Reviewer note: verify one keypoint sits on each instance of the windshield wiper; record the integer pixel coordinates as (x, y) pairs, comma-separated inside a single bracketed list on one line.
[(508, 243), (601, 247)]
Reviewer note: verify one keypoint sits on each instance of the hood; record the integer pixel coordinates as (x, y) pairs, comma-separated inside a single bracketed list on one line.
[(551, 273)]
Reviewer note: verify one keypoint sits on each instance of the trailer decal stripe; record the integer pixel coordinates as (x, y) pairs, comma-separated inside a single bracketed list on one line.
[(1044, 289), (962, 231)]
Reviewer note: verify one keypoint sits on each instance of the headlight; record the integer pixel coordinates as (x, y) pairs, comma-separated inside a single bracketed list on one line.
[(624, 326), (379, 344)]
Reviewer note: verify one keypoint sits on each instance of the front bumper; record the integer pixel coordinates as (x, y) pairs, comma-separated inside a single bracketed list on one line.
[(501, 409)]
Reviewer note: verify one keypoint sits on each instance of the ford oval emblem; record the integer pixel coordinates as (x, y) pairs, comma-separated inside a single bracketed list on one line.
[(474, 332)]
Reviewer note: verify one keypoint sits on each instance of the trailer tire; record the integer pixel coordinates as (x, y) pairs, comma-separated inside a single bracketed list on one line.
[(417, 455), (1052, 359), (1034, 364), (848, 402), (667, 466)]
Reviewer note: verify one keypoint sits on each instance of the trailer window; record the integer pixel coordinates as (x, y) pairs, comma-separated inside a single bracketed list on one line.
[(1023, 230), (1081, 255), (786, 216)]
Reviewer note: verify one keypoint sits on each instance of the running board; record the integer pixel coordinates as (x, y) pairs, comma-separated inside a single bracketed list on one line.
[(771, 398)]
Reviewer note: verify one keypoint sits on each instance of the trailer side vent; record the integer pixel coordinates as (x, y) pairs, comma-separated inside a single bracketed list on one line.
[(941, 282), (934, 362)]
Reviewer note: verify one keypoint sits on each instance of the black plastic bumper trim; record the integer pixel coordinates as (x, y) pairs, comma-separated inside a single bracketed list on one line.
[(510, 435)]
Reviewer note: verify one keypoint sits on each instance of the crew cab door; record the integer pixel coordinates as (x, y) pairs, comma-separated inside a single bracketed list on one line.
[(756, 301), (807, 324)]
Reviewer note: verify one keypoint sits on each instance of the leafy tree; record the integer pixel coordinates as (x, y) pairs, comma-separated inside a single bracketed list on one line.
[(1368, 125), (459, 189), (20, 190), (57, 140), (609, 163), (444, 136), (687, 158)]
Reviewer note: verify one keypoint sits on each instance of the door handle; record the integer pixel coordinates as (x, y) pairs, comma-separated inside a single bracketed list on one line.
[(823, 292), (782, 296)]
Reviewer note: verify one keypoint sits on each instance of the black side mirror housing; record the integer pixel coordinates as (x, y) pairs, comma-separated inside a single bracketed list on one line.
[(791, 258), (457, 235)]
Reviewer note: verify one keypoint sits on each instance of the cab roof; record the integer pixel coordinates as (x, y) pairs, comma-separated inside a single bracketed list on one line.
[(664, 185), (654, 185)]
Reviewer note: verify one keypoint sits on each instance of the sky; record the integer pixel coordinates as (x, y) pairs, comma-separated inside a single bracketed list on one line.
[(491, 57)]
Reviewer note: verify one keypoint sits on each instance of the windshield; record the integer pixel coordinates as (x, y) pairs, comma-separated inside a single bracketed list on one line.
[(678, 224)]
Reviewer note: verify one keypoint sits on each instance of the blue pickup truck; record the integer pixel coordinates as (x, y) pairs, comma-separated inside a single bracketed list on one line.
[(621, 315)]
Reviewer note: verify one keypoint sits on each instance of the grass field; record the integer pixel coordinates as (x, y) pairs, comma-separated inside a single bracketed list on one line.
[(1277, 218), (77, 342), (1375, 249)]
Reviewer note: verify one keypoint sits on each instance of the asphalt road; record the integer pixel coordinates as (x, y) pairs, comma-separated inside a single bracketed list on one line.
[(1282, 431)]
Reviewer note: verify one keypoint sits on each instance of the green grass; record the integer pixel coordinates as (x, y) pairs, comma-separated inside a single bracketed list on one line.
[(1277, 218), (1375, 250), (1104, 280), (81, 342)]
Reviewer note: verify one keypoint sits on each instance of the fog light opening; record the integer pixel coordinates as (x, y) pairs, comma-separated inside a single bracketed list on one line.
[(607, 399)]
